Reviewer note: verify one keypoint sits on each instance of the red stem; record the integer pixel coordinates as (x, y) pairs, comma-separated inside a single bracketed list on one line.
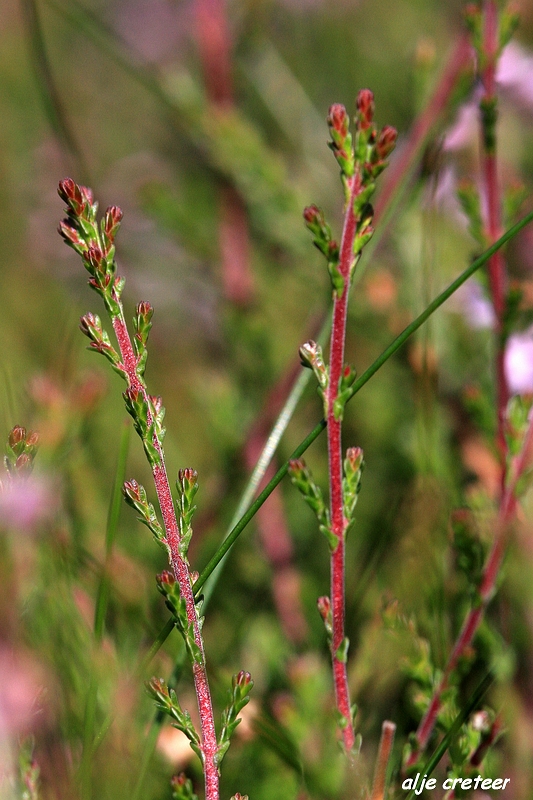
[(334, 432), (215, 47), (506, 513), (181, 572), (496, 265)]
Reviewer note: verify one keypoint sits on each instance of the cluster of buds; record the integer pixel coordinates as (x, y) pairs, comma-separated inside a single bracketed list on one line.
[(182, 788), (361, 159), (351, 484), (147, 412), (241, 687), (142, 324), (169, 588), (20, 451), (167, 701), (323, 241), (187, 486), (94, 243), (302, 478)]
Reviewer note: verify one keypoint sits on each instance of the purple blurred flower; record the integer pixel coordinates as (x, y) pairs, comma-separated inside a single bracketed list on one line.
[(470, 300), (25, 503), (519, 362), (515, 74)]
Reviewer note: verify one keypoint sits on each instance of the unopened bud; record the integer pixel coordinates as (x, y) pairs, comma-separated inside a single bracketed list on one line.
[(365, 108), (386, 142), (338, 119), (112, 219), (242, 679), (132, 491), (17, 435)]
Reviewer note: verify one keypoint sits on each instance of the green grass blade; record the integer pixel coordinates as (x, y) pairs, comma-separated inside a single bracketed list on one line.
[(459, 721)]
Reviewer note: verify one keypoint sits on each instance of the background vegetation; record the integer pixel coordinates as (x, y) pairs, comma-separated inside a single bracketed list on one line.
[(115, 94)]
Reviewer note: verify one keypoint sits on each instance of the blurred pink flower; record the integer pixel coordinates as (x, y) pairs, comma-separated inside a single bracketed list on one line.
[(25, 502), (20, 689), (471, 301), (515, 74), (519, 362)]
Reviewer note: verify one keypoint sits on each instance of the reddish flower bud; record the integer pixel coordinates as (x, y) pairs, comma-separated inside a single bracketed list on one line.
[(69, 233), (71, 193), (296, 466), (324, 607), (66, 189), (112, 219), (132, 490), (157, 402), (144, 309), (166, 578), (354, 457), (188, 474), (23, 461), (313, 215), (17, 435), (338, 119), (32, 439), (87, 195), (365, 108), (242, 679), (158, 686), (90, 325), (95, 258), (386, 142)]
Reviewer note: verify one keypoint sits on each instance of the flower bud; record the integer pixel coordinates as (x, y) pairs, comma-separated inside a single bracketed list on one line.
[(131, 491), (112, 219), (324, 608), (338, 119), (386, 142), (242, 679), (17, 435), (95, 258), (365, 108)]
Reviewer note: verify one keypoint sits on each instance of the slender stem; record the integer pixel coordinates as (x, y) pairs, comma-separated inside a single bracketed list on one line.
[(388, 729), (506, 513), (181, 571), (334, 434), (496, 266)]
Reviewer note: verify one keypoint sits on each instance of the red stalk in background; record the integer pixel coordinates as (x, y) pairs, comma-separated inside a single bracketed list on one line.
[(497, 270), (214, 44)]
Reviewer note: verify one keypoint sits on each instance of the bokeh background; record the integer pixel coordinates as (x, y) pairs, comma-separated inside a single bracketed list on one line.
[(206, 124)]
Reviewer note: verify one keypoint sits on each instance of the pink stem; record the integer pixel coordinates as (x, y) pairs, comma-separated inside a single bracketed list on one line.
[(334, 432), (496, 266), (181, 572), (506, 513), (388, 729)]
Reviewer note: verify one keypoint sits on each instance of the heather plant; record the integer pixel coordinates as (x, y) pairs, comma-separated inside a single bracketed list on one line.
[(419, 544)]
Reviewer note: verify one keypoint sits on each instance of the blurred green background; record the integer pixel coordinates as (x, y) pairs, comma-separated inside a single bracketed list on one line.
[(212, 173)]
